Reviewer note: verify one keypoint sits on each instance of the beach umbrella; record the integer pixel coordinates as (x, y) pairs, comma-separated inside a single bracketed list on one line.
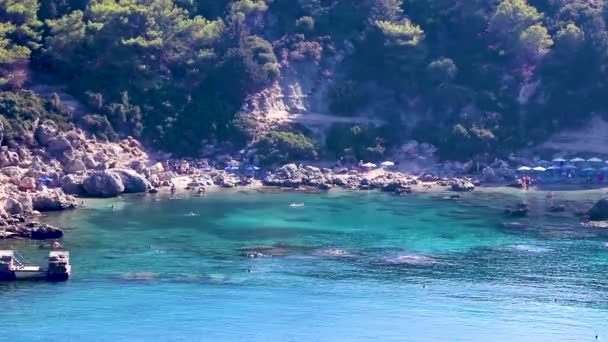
[(552, 168), (543, 162), (605, 168), (45, 179), (559, 160), (206, 169), (577, 160), (369, 165), (388, 163), (252, 168), (569, 167), (523, 168), (594, 160), (540, 169), (231, 168), (588, 170)]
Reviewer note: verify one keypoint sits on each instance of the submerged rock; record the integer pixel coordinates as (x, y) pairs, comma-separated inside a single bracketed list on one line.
[(410, 259)]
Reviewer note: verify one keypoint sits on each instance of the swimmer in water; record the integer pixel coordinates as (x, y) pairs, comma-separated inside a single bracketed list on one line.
[(249, 270)]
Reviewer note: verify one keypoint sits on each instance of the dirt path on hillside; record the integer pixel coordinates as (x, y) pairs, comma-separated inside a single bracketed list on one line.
[(590, 139)]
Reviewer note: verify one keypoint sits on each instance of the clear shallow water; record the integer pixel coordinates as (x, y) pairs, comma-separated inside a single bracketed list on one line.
[(417, 268)]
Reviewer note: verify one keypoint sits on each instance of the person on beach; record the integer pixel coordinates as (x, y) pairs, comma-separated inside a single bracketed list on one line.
[(172, 188), (550, 195)]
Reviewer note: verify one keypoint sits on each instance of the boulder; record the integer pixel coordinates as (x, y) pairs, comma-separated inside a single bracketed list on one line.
[(12, 171), (12, 206), (157, 168), (27, 184), (103, 184), (75, 166), (462, 185), (89, 162), (46, 131), (133, 181), (52, 201), (72, 185), (41, 231), (59, 145), (599, 211)]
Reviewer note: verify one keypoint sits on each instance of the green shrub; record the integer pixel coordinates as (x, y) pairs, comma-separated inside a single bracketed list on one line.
[(99, 126), (20, 111), (283, 147)]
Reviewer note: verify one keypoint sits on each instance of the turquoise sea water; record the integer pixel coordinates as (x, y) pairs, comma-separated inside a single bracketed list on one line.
[(416, 268)]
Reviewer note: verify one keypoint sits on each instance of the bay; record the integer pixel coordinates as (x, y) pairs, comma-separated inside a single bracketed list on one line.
[(345, 266)]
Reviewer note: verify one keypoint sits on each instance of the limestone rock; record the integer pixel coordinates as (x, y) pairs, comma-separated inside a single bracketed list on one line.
[(46, 131), (12, 171), (27, 184), (103, 184), (133, 181), (462, 185), (52, 201), (13, 207), (72, 185), (74, 166), (59, 145)]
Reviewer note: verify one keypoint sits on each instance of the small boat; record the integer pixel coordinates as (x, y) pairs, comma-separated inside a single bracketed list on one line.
[(296, 205), (57, 269)]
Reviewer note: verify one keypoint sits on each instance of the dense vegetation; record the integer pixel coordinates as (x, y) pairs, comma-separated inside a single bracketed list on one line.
[(475, 75)]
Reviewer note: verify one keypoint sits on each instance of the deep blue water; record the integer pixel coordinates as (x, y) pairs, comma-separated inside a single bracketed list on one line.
[(416, 268)]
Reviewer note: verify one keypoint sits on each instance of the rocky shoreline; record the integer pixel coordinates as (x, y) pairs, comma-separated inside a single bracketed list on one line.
[(53, 168)]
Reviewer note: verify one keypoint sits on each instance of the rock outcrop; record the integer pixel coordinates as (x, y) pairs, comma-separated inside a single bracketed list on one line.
[(46, 131), (599, 211), (52, 200), (72, 185), (133, 181), (462, 185), (103, 184)]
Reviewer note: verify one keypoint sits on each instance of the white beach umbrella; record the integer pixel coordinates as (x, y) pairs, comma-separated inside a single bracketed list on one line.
[(387, 163), (577, 160), (369, 165), (594, 160), (540, 169), (559, 160), (523, 168)]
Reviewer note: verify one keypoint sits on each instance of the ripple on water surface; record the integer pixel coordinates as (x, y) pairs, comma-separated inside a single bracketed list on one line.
[(345, 266)]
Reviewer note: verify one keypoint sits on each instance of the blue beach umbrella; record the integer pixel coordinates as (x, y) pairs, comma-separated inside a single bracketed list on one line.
[(231, 168), (604, 169), (252, 168), (588, 170), (45, 179), (569, 167), (543, 162), (553, 168)]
